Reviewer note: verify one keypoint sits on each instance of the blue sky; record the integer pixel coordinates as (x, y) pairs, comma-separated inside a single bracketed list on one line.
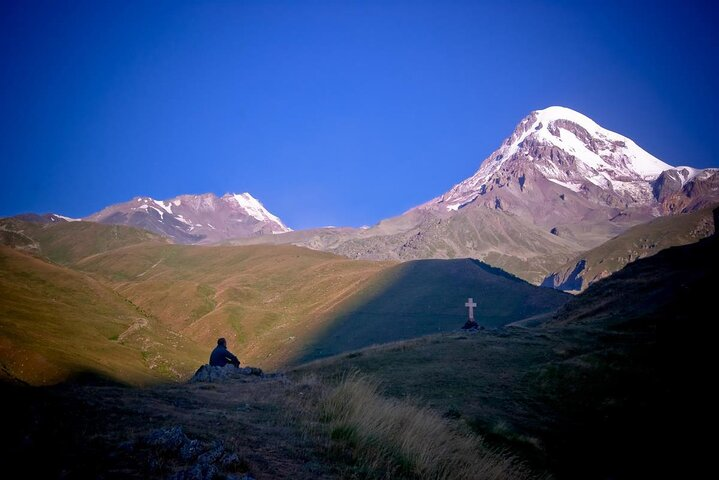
[(331, 113)]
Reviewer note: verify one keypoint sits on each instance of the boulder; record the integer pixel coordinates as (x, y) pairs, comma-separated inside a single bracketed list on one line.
[(227, 373)]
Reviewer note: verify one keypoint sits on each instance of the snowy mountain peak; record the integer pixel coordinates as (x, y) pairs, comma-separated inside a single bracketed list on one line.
[(640, 161), (203, 218), (568, 149)]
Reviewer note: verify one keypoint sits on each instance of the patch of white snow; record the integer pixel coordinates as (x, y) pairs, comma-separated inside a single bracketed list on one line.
[(575, 187), (67, 219), (255, 209)]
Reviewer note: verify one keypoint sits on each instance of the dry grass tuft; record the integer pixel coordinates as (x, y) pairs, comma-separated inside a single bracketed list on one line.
[(388, 438)]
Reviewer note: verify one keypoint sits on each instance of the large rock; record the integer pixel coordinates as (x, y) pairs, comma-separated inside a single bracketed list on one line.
[(206, 373)]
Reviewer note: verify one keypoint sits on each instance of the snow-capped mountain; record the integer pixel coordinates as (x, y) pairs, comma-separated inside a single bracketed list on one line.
[(558, 185), (202, 218), (562, 171), (570, 150)]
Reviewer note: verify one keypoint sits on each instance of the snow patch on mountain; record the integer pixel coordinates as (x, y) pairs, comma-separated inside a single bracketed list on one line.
[(255, 209), (165, 206), (640, 161), (67, 219)]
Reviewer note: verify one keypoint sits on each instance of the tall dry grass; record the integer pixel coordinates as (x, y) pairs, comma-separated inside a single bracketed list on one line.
[(389, 438)]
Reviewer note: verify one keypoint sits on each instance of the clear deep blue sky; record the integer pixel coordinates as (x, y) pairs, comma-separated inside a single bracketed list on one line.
[(338, 113)]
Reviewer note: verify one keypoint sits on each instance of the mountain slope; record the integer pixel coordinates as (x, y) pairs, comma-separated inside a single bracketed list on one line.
[(195, 218), (67, 242), (638, 242), (273, 301), (266, 300), (56, 323), (498, 238)]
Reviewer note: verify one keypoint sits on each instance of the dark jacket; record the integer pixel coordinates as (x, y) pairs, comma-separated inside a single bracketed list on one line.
[(220, 357)]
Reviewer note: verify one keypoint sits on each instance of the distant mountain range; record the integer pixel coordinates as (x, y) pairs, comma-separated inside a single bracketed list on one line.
[(558, 186)]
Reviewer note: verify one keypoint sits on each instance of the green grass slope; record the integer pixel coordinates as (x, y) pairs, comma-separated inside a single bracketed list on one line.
[(266, 300), (638, 242), (68, 242), (427, 296), (55, 323)]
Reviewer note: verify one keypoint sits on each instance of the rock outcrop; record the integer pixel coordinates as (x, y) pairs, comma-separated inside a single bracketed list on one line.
[(228, 373), (169, 453)]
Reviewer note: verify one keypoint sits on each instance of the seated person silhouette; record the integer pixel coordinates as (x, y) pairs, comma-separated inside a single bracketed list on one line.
[(470, 324), (220, 356)]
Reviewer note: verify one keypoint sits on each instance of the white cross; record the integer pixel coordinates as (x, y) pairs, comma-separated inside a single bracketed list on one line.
[(470, 304)]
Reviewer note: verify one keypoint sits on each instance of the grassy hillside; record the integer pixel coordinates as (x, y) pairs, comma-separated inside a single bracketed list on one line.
[(638, 242), (266, 300), (278, 304), (578, 403), (427, 296), (55, 323), (68, 242), (275, 304)]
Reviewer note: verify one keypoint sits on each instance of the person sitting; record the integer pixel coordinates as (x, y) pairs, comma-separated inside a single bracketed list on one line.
[(220, 356), (471, 324)]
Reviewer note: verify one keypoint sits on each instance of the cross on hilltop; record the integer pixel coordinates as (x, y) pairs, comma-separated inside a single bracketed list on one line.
[(470, 304), (471, 323)]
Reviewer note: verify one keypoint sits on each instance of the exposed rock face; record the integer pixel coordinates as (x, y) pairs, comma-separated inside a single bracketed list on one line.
[(195, 218), (684, 189), (171, 452), (227, 373)]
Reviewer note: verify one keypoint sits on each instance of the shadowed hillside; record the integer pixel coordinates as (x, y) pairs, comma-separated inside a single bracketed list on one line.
[(427, 296), (678, 283), (638, 242)]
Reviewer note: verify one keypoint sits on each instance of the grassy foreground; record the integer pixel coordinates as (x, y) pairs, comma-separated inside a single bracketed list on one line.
[(576, 402), (297, 427)]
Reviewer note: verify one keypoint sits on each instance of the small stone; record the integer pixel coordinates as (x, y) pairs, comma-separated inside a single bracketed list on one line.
[(167, 439), (196, 472), (212, 455), (230, 461), (190, 450), (126, 447)]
